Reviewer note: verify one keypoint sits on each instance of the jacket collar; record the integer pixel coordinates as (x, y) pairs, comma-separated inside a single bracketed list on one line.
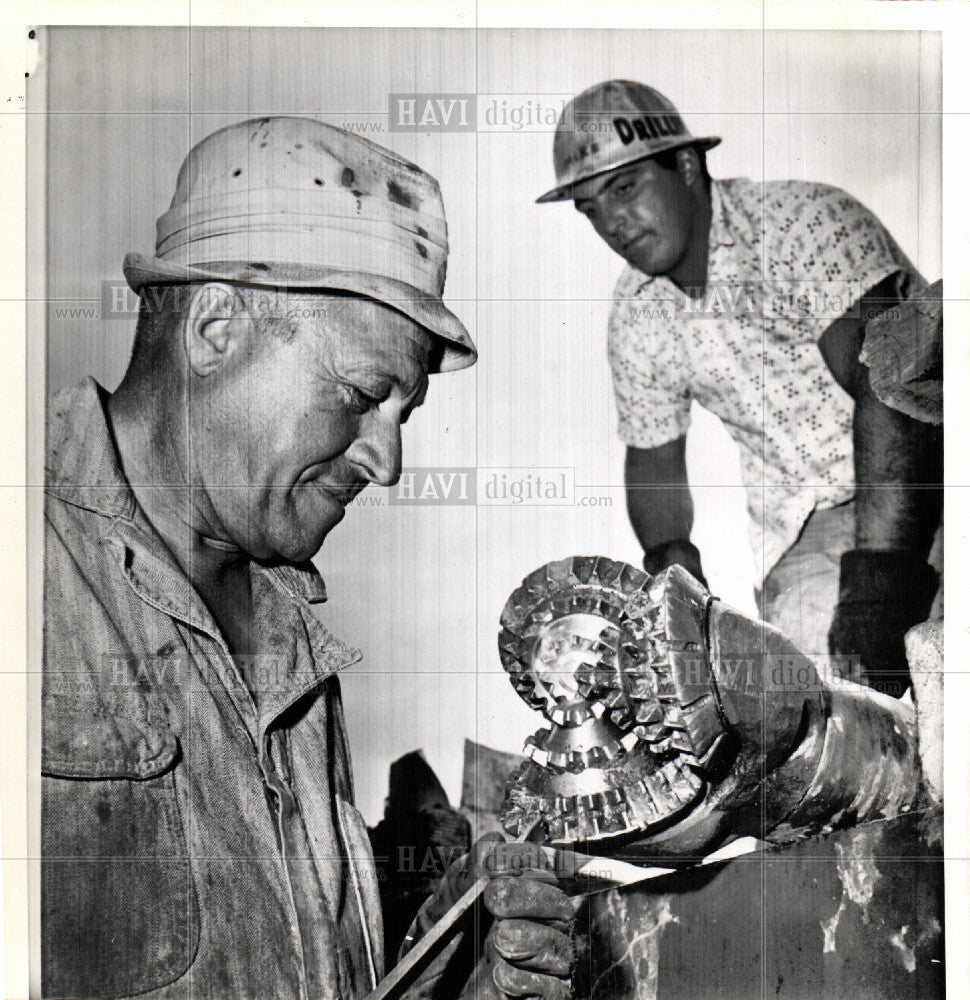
[(82, 466)]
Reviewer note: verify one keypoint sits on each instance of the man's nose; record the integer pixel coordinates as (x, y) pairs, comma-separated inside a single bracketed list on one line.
[(615, 224), (378, 449)]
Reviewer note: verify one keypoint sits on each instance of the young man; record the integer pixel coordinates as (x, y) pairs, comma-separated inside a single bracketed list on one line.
[(752, 299)]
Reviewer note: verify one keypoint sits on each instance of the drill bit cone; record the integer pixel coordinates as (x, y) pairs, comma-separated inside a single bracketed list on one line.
[(591, 782), (618, 759)]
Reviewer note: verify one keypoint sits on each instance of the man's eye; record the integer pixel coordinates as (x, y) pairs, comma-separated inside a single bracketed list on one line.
[(624, 188), (358, 401)]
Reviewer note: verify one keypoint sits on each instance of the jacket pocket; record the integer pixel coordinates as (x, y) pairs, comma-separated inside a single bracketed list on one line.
[(119, 911)]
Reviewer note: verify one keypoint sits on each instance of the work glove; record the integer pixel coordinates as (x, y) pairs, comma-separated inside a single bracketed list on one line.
[(882, 594), (679, 552), (528, 950)]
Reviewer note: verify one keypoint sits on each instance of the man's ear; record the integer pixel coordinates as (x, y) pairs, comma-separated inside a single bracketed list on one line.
[(689, 165), (217, 325)]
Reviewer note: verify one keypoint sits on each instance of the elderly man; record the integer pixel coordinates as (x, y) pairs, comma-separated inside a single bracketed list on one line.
[(752, 299), (199, 834)]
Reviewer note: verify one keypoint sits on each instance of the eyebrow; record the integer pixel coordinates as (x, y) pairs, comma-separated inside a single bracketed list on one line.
[(615, 179)]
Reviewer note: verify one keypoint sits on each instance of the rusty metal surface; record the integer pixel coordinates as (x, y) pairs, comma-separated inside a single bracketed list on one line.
[(857, 914), (654, 673)]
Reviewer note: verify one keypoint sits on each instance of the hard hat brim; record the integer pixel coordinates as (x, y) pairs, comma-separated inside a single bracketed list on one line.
[(426, 310), (564, 192)]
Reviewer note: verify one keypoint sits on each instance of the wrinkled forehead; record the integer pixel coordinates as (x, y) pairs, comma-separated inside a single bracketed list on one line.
[(358, 331)]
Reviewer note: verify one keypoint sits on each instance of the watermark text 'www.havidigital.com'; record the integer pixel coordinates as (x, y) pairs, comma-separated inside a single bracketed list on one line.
[(470, 486)]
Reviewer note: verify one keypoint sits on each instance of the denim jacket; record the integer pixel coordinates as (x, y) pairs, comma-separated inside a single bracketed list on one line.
[(199, 837)]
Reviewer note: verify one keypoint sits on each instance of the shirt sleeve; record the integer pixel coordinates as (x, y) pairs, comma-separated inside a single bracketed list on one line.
[(650, 378), (831, 251)]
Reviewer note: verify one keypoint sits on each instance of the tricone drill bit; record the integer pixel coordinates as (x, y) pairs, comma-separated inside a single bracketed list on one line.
[(678, 723)]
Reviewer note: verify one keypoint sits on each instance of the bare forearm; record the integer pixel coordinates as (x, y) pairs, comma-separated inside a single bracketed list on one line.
[(660, 506), (659, 514), (658, 501), (898, 468), (885, 584)]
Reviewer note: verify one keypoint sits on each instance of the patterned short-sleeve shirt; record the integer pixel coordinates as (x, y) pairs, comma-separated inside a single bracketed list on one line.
[(786, 259)]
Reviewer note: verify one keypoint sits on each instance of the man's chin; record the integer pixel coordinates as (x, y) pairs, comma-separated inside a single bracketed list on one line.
[(305, 538), (645, 264), (650, 258), (301, 549), (317, 538)]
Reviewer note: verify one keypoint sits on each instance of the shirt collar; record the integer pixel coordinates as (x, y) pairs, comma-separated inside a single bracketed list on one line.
[(721, 231), (301, 581)]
